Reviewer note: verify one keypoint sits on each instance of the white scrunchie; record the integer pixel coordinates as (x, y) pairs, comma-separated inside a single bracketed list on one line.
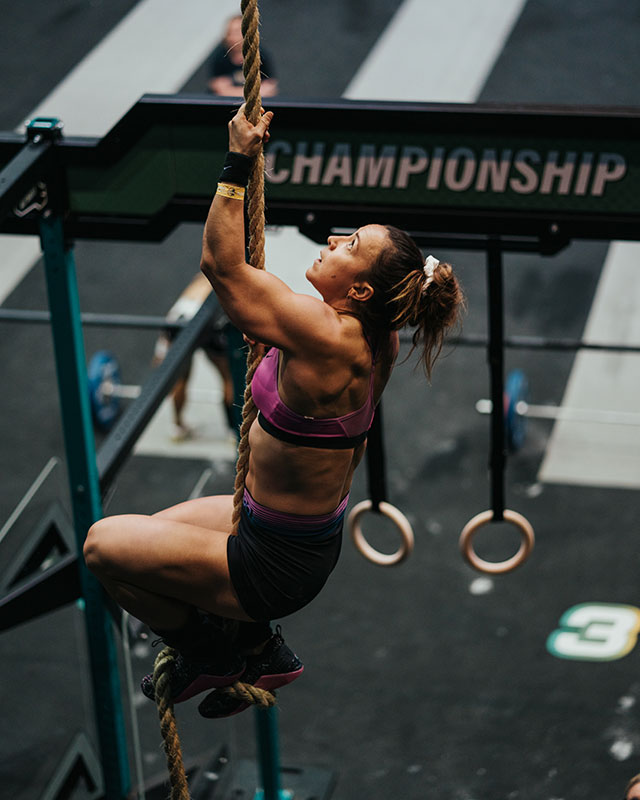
[(429, 268)]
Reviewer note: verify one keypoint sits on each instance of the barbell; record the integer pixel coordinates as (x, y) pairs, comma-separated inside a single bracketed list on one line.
[(517, 410), (106, 389), (468, 340), (103, 373)]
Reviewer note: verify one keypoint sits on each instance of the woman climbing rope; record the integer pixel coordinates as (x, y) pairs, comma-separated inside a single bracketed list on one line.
[(184, 570)]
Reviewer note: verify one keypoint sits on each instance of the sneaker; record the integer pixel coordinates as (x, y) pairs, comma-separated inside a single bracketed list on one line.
[(277, 665), (181, 432), (189, 678)]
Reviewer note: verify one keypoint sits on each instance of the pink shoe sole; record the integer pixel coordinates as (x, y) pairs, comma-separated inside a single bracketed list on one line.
[(268, 682), (202, 683)]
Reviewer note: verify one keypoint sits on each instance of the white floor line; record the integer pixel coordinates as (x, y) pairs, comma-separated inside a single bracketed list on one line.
[(436, 51), (18, 254), (155, 48), (201, 483), (603, 454), (28, 496)]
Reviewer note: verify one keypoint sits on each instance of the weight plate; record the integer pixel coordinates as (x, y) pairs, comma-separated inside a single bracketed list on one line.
[(516, 389), (103, 368)]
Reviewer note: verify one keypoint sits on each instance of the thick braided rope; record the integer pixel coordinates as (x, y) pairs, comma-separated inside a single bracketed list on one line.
[(173, 752), (250, 694), (255, 211)]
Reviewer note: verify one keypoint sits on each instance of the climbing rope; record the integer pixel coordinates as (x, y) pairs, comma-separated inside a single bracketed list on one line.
[(248, 693), (161, 682), (255, 211)]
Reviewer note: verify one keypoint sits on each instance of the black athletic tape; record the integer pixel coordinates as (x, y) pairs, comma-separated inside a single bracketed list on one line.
[(236, 169)]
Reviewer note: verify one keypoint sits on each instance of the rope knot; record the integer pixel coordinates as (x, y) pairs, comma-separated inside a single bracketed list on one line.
[(249, 693)]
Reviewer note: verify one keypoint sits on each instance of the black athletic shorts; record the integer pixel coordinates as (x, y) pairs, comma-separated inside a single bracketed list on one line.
[(278, 563)]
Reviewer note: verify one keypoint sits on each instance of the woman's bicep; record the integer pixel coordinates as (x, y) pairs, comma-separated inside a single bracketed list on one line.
[(265, 309)]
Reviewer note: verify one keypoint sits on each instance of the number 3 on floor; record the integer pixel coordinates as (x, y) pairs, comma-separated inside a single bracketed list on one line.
[(595, 632)]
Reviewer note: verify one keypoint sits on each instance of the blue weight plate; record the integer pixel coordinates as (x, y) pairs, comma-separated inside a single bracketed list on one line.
[(516, 389), (103, 366)]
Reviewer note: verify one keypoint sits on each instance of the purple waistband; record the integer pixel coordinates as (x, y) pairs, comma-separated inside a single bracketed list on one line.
[(298, 521)]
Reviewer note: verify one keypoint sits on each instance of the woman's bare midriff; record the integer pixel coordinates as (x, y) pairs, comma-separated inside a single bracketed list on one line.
[(298, 480)]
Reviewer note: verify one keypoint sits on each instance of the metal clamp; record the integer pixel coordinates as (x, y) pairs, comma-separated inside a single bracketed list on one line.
[(49, 128)]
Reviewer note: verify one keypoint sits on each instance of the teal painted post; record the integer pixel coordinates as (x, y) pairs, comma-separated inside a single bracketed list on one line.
[(266, 719), (85, 497), (268, 758)]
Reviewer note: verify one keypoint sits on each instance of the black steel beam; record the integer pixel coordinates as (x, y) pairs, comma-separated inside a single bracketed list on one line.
[(95, 320), (535, 343), (56, 587)]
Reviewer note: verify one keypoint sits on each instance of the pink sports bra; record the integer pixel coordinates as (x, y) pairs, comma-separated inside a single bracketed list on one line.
[(281, 422)]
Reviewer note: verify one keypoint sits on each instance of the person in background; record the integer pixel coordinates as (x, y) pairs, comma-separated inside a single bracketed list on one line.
[(225, 65), (212, 341)]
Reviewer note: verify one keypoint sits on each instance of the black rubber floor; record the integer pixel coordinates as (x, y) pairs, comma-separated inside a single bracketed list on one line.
[(421, 681)]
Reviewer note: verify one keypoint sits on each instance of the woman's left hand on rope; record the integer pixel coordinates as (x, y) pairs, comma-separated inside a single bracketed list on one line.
[(247, 138), (257, 348)]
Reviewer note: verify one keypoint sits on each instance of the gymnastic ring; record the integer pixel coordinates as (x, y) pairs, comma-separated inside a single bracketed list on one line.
[(363, 546), (527, 539)]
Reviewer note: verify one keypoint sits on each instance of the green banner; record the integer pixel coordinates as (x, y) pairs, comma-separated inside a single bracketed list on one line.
[(456, 171), (452, 171), (465, 168)]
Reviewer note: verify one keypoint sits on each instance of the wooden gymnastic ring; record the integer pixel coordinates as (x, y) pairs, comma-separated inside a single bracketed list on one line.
[(527, 539), (363, 546)]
